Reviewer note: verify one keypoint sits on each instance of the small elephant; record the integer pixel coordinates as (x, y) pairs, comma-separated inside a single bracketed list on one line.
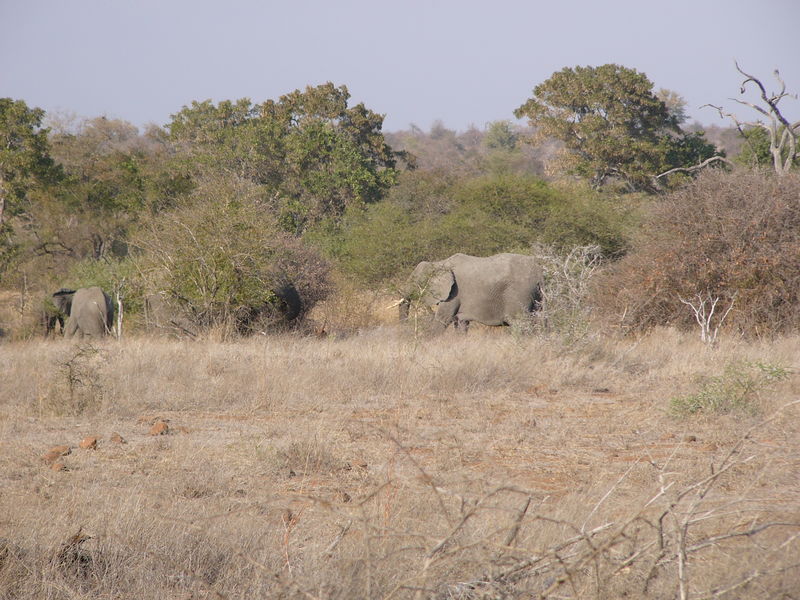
[(90, 311), (490, 290)]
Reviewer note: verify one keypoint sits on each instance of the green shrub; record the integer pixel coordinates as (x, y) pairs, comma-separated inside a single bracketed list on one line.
[(221, 255), (113, 275), (429, 218), (737, 389)]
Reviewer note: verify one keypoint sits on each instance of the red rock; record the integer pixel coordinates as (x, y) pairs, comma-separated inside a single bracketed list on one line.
[(55, 453), (89, 442), (117, 438), (159, 428)]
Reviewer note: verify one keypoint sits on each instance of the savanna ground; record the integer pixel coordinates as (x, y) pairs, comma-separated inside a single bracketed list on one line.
[(388, 465)]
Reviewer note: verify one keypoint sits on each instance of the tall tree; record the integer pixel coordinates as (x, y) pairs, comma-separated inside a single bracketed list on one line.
[(612, 125), (24, 154), (315, 155)]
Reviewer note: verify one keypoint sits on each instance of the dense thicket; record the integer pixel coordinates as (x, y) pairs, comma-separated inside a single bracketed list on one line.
[(220, 258), (732, 236)]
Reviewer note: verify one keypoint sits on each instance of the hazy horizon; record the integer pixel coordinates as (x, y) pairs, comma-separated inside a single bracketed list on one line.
[(462, 63)]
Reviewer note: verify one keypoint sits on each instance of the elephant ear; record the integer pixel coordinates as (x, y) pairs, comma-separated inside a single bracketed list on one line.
[(63, 300), (440, 283)]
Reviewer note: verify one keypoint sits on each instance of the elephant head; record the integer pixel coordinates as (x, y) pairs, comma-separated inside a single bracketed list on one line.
[(430, 283), (63, 300), (56, 310)]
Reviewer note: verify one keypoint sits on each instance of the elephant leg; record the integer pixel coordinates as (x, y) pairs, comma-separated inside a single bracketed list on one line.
[(71, 328), (446, 313), (461, 325)]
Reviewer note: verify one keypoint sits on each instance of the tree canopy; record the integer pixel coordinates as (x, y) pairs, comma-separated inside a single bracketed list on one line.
[(315, 155), (24, 153), (612, 125)]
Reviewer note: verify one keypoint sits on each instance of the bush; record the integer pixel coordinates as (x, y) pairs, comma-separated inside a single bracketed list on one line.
[(221, 257), (737, 389), (430, 219), (565, 312), (113, 276), (725, 235)]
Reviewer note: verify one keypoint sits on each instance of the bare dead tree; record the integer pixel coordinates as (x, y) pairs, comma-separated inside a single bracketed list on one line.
[(692, 169), (703, 307), (783, 135)]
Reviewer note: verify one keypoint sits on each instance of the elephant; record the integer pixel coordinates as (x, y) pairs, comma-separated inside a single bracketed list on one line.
[(282, 309), (490, 290), (52, 315), (90, 311)]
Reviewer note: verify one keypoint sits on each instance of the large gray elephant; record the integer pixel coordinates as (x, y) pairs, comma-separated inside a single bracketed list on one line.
[(490, 290), (90, 311)]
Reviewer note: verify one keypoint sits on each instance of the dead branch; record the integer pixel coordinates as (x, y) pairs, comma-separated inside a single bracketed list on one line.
[(702, 165), (783, 145)]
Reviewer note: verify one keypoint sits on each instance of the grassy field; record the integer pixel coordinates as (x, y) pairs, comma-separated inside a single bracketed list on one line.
[(382, 465)]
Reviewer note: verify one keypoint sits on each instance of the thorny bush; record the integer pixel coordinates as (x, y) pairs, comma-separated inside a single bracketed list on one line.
[(725, 234)]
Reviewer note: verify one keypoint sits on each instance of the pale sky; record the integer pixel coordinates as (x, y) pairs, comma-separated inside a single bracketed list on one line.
[(463, 62)]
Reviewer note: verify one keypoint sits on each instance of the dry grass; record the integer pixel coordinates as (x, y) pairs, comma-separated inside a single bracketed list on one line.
[(384, 466)]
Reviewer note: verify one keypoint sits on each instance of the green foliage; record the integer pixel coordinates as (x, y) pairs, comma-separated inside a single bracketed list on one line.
[(25, 167), (114, 275), (687, 150), (736, 390), (500, 136), (25, 160), (316, 156), (756, 151), (221, 255), (427, 218), (612, 125)]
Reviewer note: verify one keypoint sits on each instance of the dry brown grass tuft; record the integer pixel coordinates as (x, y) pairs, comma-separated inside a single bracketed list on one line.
[(386, 466)]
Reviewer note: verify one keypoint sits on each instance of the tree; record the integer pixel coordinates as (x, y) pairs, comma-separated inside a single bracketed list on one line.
[(675, 103), (612, 125), (24, 154), (316, 155), (500, 136), (219, 256), (784, 149), (112, 175), (755, 150)]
